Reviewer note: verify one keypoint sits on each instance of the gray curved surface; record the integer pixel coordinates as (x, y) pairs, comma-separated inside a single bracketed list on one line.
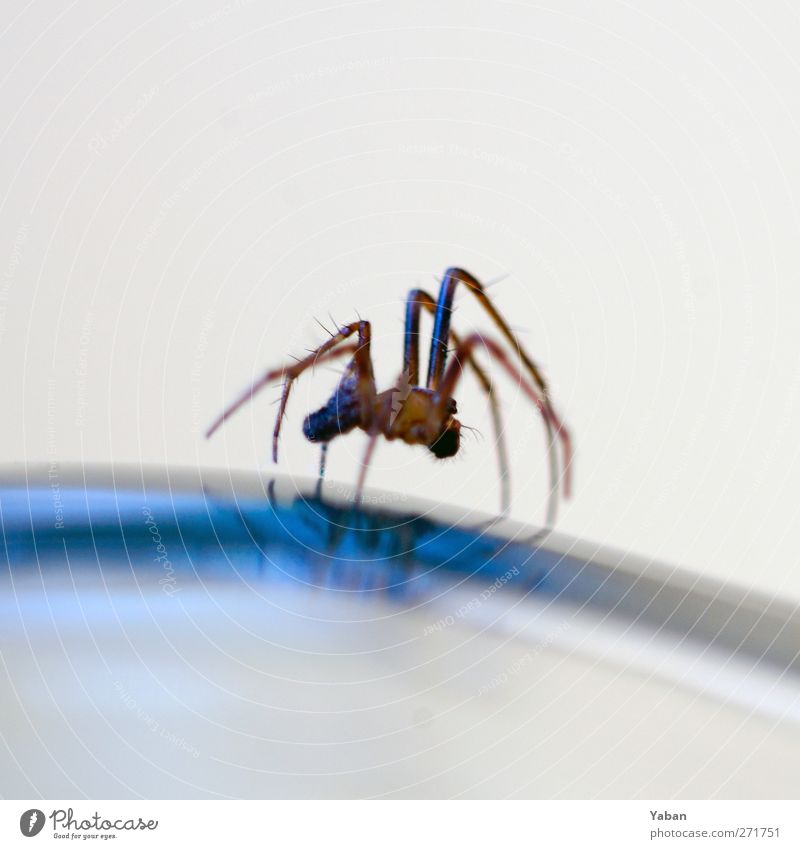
[(206, 633)]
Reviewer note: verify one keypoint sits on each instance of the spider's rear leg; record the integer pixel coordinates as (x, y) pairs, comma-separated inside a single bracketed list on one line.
[(438, 358), (419, 299), (323, 459)]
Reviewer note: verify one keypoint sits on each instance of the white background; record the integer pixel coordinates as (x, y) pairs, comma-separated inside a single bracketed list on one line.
[(184, 187)]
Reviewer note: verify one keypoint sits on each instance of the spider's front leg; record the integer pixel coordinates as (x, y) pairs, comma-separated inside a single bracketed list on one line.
[(454, 277), (418, 299), (553, 423)]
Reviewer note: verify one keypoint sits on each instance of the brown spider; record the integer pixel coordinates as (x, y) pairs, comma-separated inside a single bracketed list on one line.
[(419, 415)]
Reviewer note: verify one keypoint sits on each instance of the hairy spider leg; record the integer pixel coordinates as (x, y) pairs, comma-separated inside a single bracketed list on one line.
[(453, 374), (374, 431), (438, 357), (328, 350), (419, 299), (444, 311), (270, 377), (323, 457), (287, 386)]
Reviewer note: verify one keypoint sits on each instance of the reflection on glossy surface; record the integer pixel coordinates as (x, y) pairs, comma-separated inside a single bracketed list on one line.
[(177, 634)]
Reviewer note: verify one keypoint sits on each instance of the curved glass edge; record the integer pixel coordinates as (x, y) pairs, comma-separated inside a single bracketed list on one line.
[(255, 527)]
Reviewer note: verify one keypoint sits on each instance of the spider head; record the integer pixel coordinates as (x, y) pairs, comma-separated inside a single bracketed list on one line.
[(448, 441)]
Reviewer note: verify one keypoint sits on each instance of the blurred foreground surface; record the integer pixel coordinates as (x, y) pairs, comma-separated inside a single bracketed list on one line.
[(178, 634)]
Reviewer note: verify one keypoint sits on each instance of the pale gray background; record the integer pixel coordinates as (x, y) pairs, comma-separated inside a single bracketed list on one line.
[(184, 186)]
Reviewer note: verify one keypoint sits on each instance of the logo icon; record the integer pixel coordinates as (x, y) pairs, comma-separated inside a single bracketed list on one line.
[(31, 822)]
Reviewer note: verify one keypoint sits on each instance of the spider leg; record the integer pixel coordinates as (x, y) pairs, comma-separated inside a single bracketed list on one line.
[(287, 387), (323, 457), (453, 374), (289, 374), (328, 350), (352, 403), (444, 312), (417, 300), (377, 427), (439, 351), (366, 460)]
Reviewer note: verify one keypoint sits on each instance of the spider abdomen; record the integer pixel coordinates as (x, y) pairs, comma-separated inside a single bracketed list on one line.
[(339, 415)]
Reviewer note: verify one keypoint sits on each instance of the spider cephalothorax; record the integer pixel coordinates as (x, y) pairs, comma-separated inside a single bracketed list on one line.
[(416, 414)]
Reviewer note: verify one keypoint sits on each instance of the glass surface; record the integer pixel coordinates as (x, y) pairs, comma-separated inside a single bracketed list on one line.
[(176, 633)]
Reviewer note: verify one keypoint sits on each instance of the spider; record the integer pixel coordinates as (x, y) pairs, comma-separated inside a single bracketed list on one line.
[(419, 415)]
